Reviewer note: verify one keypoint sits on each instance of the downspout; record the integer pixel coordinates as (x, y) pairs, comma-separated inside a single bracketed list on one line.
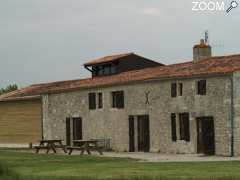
[(232, 117)]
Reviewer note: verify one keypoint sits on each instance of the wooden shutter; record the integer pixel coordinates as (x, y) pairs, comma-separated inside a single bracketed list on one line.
[(92, 100), (202, 87), (131, 134), (68, 132), (173, 123), (180, 86), (184, 126), (100, 101), (77, 128), (174, 89), (120, 99), (114, 100)]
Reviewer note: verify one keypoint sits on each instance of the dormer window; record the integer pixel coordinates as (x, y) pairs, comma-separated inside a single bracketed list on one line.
[(104, 70), (116, 64)]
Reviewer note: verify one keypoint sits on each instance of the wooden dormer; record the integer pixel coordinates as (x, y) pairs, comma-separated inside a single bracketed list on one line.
[(116, 64)]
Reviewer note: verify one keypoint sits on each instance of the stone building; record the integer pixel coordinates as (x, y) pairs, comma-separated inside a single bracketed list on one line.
[(137, 104)]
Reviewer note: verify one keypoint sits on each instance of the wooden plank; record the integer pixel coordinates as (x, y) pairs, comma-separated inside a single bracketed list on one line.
[(20, 122)]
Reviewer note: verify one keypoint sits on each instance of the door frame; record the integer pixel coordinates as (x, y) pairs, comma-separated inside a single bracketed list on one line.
[(71, 122), (201, 140), (135, 127)]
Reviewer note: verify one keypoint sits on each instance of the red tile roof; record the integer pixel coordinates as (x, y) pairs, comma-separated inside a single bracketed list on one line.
[(114, 58), (211, 66), (107, 59)]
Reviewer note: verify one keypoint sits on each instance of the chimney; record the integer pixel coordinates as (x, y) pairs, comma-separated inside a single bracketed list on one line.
[(201, 51)]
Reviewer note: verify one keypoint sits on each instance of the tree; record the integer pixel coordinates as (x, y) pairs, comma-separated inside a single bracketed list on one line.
[(9, 88)]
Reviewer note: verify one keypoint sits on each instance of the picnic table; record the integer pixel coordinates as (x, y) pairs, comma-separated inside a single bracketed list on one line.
[(52, 144), (85, 145)]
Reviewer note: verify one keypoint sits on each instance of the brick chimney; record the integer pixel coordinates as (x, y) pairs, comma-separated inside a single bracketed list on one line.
[(201, 51)]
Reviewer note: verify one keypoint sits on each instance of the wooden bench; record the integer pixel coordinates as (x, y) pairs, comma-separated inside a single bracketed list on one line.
[(85, 145), (38, 148), (50, 145), (71, 148)]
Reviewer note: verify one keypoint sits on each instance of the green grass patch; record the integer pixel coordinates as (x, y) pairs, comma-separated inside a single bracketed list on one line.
[(29, 166)]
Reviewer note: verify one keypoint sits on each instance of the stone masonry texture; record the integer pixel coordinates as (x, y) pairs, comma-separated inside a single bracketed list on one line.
[(113, 123)]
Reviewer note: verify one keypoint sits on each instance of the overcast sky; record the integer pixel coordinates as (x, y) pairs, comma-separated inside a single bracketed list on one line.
[(49, 40)]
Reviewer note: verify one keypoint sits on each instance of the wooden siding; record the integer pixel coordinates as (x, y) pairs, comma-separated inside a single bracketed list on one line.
[(20, 122)]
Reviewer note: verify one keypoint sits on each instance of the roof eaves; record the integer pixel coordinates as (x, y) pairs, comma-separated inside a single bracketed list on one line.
[(24, 98)]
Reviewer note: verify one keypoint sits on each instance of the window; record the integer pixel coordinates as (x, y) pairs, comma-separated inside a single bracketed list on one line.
[(107, 70), (100, 70), (173, 123), (202, 87), (118, 99), (184, 126), (113, 69), (174, 89), (180, 89), (92, 100), (100, 101)]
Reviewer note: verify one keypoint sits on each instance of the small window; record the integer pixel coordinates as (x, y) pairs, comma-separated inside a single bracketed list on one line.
[(107, 70), (202, 87), (180, 89), (92, 100), (113, 69), (184, 126), (100, 101), (174, 89), (173, 123), (100, 70), (118, 99)]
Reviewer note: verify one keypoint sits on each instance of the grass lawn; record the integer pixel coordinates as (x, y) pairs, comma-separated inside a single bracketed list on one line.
[(32, 166)]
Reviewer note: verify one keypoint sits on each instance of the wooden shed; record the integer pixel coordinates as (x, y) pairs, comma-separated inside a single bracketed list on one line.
[(20, 121)]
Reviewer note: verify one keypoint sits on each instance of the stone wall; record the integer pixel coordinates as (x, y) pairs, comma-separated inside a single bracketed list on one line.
[(113, 123), (236, 112)]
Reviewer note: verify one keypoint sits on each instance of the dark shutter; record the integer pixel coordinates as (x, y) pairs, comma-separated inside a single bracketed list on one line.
[(174, 90), (173, 123), (68, 132), (114, 100), (92, 100), (202, 87), (180, 89), (184, 126), (131, 134), (100, 101), (118, 99), (77, 128)]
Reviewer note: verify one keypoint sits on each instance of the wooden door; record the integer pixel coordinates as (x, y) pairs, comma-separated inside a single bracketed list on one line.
[(68, 132), (131, 134), (77, 128), (73, 130), (143, 133), (206, 137)]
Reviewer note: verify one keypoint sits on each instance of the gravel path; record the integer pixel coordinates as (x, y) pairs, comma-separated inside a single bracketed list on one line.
[(157, 157)]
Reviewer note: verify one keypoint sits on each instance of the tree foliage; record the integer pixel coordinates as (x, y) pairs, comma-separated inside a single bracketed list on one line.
[(9, 88)]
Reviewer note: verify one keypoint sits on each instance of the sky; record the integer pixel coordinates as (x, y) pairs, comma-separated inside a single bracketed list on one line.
[(50, 40)]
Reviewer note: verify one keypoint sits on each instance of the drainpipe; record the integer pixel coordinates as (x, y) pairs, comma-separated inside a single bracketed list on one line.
[(232, 117)]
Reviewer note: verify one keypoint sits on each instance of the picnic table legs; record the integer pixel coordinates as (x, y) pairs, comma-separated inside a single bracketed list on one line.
[(48, 148), (98, 149), (70, 151), (39, 147), (63, 147), (86, 148)]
